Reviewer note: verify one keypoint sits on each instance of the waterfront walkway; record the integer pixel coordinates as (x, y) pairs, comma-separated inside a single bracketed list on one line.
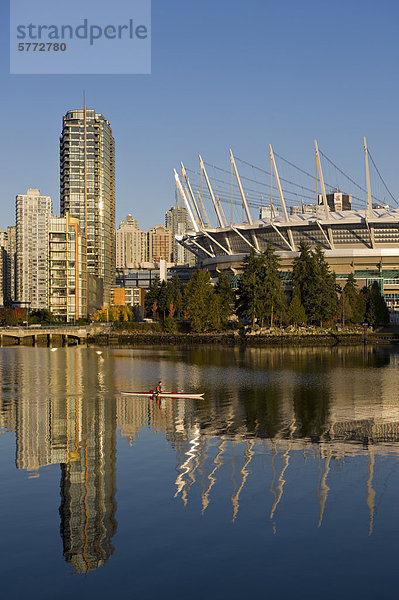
[(77, 334)]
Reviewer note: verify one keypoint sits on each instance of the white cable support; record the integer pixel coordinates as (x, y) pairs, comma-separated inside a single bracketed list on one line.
[(380, 176)]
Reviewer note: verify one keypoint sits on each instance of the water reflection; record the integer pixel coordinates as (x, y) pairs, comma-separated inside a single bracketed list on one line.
[(62, 415), (267, 413), (327, 405)]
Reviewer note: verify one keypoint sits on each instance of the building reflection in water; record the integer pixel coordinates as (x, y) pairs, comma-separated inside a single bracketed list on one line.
[(337, 409), (65, 414), (262, 409)]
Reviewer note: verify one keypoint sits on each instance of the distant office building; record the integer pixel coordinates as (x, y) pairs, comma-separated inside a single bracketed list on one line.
[(67, 263), (33, 212), (337, 201), (131, 244), (176, 220), (128, 296), (303, 209), (11, 262), (4, 271), (138, 278), (144, 278), (7, 266), (160, 244), (267, 212), (3, 276), (129, 222), (87, 181)]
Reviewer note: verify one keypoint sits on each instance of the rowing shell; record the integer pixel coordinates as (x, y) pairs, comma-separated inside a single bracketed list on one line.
[(164, 395)]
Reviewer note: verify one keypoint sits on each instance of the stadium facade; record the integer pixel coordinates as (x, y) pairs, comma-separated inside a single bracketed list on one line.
[(362, 242)]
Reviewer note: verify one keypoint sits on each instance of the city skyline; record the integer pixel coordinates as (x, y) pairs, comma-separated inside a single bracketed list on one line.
[(320, 91)]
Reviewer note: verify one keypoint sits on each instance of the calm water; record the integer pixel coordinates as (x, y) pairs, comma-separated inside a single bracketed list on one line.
[(282, 482)]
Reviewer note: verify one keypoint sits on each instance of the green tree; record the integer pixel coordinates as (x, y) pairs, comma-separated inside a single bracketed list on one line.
[(225, 296), (271, 299), (163, 298), (151, 298), (249, 289), (169, 325), (377, 312), (296, 313), (200, 301), (353, 304), (302, 275), (314, 284), (175, 296), (325, 294)]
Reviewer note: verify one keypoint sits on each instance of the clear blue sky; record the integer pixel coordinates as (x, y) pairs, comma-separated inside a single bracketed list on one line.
[(239, 74)]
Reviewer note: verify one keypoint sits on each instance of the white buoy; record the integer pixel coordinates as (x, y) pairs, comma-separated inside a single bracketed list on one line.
[(98, 352), (54, 349)]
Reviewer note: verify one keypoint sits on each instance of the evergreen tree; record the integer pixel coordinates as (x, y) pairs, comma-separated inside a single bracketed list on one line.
[(314, 284), (377, 312), (249, 289), (225, 296), (175, 297), (353, 305), (302, 274), (325, 294), (296, 313), (163, 298), (151, 298), (200, 301), (271, 299)]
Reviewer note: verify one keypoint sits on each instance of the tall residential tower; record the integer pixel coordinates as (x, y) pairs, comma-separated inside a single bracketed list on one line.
[(87, 181), (33, 212), (131, 245), (176, 220)]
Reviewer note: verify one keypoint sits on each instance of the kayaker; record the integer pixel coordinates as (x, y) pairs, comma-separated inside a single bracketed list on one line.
[(158, 389)]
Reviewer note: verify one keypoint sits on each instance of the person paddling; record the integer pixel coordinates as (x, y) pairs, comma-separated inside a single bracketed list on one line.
[(158, 389)]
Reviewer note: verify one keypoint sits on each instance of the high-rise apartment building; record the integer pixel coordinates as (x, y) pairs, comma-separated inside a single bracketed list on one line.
[(131, 244), (67, 263), (4, 271), (33, 212), (176, 221), (160, 244), (11, 262), (87, 181), (7, 266)]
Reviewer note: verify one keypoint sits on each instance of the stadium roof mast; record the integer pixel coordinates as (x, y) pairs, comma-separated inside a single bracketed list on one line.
[(243, 198), (191, 193), (212, 195), (282, 200), (368, 203), (280, 190), (186, 202), (323, 189)]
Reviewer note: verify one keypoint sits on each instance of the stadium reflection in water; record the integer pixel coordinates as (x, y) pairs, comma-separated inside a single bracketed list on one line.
[(262, 408), (323, 403)]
